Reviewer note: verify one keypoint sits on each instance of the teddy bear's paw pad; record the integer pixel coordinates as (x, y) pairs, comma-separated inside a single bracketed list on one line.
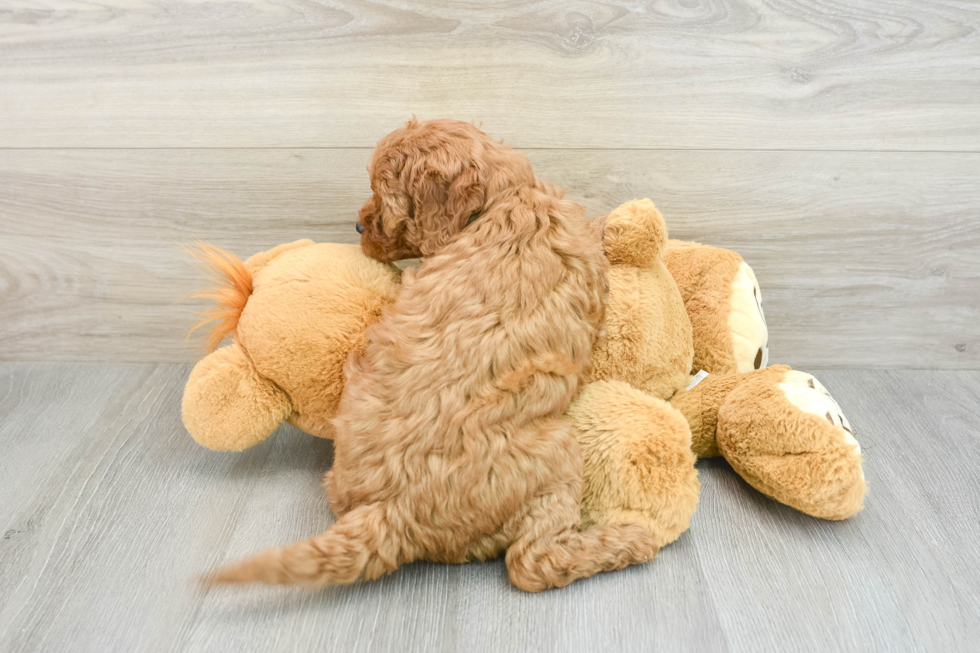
[(809, 395), (747, 321)]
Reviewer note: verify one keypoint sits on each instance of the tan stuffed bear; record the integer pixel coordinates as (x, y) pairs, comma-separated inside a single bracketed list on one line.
[(297, 311), (779, 429)]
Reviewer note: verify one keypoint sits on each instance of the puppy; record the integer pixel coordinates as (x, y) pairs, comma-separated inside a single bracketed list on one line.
[(451, 444)]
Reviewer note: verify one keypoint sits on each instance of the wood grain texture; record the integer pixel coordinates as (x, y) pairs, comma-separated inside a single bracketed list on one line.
[(865, 259), (731, 74), (112, 509)]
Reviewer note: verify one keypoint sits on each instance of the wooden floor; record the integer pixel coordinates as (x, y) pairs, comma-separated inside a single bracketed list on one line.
[(109, 510)]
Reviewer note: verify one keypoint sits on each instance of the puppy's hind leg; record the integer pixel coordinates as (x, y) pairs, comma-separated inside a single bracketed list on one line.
[(361, 545), (551, 551)]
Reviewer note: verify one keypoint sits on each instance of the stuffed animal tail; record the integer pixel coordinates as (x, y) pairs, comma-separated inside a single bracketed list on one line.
[(231, 290), (348, 551)]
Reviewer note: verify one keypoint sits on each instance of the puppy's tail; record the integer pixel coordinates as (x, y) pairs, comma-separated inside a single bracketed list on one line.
[(230, 292), (356, 547)]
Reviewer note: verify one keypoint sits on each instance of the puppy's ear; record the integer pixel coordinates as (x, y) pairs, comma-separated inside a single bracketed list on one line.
[(466, 196)]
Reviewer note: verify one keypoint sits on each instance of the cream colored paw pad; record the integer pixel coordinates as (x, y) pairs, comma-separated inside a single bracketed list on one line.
[(747, 322), (807, 393)]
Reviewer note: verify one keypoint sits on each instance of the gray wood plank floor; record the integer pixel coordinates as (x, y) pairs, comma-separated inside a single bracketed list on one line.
[(108, 510)]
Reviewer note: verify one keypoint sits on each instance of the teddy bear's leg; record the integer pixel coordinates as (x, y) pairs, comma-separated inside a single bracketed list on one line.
[(786, 436), (317, 425), (228, 405), (699, 403), (638, 464)]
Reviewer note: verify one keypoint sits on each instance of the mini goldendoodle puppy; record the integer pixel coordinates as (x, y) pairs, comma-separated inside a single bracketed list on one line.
[(451, 443)]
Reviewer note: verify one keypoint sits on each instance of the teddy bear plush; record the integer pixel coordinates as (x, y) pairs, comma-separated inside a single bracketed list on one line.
[(297, 311), (779, 429)]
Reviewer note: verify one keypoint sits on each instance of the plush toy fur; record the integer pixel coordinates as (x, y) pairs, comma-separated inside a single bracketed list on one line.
[(724, 304), (674, 308), (783, 433), (638, 462), (780, 429), (297, 312), (648, 341)]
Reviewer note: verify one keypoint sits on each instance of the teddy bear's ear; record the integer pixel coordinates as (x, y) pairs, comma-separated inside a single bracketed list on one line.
[(228, 405), (634, 234)]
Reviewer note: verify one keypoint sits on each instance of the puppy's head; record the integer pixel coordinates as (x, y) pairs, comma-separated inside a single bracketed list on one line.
[(430, 179)]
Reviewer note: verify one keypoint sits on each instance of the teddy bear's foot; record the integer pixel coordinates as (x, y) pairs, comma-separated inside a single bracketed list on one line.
[(786, 436), (724, 303), (637, 457), (228, 405)]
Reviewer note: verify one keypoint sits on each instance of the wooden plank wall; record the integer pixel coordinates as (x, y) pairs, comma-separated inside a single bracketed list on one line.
[(835, 145)]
